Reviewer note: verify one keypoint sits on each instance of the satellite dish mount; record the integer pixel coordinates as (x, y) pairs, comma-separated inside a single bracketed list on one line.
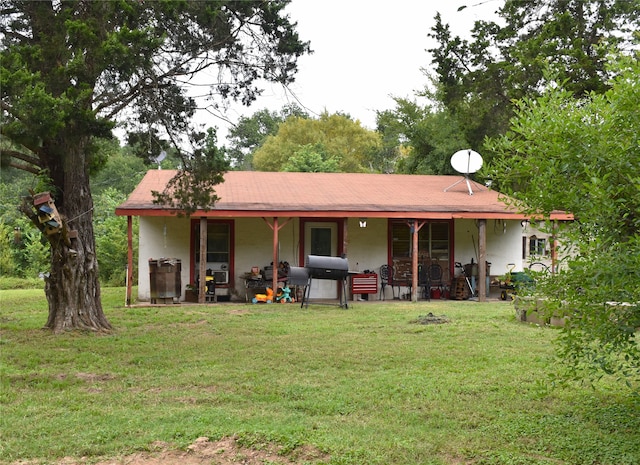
[(465, 162)]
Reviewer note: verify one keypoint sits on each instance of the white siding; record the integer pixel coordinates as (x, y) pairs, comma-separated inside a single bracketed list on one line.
[(162, 237)]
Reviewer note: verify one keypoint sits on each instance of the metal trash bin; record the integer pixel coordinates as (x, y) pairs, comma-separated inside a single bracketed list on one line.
[(165, 280)]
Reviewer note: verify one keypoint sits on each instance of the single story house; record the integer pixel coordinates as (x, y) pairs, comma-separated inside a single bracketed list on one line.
[(407, 222)]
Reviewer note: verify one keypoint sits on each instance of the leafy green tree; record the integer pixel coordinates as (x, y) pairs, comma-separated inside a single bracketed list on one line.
[(24, 254), (341, 138), (7, 241), (250, 132), (70, 69), (122, 171), (431, 136), (111, 243), (311, 159), (510, 59), (391, 132), (583, 156)]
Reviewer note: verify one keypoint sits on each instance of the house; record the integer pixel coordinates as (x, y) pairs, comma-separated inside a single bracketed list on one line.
[(264, 218)]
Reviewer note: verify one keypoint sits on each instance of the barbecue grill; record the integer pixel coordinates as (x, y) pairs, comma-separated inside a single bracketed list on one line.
[(332, 268), (298, 276)]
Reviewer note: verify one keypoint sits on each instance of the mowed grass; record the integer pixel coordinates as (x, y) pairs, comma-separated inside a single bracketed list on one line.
[(365, 385)]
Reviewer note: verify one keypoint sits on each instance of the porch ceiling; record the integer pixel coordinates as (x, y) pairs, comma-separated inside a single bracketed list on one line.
[(259, 193)]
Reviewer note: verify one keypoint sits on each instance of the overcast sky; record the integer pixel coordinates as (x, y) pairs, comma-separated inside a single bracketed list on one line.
[(365, 52)]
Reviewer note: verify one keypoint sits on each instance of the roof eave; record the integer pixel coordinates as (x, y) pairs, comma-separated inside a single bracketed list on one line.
[(441, 215)]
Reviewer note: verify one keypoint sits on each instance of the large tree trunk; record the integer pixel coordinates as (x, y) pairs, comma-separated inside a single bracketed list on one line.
[(73, 288)]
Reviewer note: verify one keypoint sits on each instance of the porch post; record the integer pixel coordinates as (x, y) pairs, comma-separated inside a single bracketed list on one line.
[(129, 259), (342, 289), (416, 227), (482, 260), (554, 248), (276, 228), (274, 278), (202, 272), (345, 240)]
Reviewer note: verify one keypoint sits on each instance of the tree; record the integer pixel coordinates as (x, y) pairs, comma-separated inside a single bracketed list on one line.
[(431, 137), (70, 69), (311, 159), (477, 80), (583, 156), (341, 139), (250, 132)]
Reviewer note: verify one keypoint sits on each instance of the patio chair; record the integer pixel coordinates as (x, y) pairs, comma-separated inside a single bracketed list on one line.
[(384, 280), (434, 279)]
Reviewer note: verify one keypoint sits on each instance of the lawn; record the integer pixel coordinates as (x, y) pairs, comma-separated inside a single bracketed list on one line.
[(364, 385)]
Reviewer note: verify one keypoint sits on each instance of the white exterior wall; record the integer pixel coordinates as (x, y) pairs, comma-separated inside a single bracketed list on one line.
[(367, 247), (162, 237), (168, 237), (504, 244), (254, 246)]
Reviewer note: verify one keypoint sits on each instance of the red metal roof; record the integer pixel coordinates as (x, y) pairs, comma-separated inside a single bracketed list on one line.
[(261, 193)]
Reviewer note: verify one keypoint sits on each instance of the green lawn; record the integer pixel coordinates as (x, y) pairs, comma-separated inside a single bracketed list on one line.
[(366, 385)]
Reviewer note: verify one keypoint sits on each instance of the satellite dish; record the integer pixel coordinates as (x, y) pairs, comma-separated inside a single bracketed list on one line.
[(465, 162), (161, 156)]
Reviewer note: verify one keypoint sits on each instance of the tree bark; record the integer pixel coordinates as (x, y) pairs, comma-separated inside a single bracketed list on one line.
[(72, 287)]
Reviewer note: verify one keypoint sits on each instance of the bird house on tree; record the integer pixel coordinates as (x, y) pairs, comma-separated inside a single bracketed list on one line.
[(47, 213)]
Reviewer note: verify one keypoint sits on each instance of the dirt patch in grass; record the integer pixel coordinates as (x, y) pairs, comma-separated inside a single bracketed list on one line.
[(431, 319), (226, 451)]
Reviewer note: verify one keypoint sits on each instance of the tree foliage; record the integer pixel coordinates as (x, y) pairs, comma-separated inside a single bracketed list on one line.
[(311, 159), (583, 156), (345, 143), (430, 136), (250, 132), (70, 70), (511, 58)]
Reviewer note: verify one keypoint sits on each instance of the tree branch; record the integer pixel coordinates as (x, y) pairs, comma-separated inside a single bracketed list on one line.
[(22, 156), (28, 168)]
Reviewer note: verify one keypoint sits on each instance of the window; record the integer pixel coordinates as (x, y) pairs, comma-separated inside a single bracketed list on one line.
[(433, 241), (217, 242), (219, 250), (537, 247)]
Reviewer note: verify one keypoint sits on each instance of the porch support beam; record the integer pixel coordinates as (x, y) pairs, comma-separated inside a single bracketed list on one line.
[(554, 248), (129, 259), (276, 228), (416, 226), (482, 260), (343, 253), (202, 271)]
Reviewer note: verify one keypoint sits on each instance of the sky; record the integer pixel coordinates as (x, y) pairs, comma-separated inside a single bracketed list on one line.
[(365, 53)]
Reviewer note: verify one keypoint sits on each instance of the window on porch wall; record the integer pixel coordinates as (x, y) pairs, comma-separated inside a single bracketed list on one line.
[(537, 247), (433, 244), (218, 250)]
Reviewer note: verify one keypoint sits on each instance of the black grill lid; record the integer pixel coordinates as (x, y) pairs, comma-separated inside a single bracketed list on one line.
[(321, 267)]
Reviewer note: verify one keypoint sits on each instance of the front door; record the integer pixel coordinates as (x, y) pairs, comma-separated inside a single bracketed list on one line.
[(321, 238)]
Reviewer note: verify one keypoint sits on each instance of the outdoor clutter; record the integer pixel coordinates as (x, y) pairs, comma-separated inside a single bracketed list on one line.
[(283, 296)]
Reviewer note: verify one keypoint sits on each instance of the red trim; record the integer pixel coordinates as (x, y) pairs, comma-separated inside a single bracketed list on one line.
[(330, 215), (340, 226)]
